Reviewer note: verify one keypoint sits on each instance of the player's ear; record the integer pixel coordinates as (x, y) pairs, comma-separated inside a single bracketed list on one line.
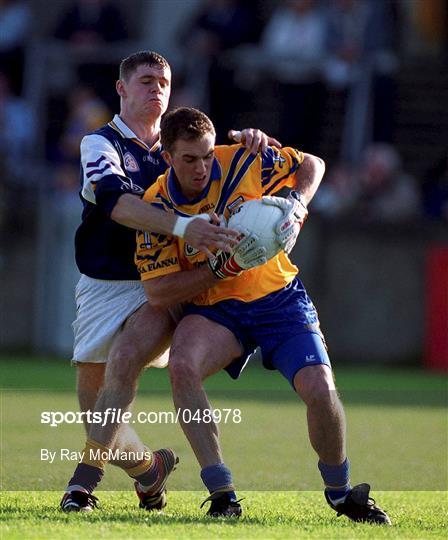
[(167, 157), (119, 85)]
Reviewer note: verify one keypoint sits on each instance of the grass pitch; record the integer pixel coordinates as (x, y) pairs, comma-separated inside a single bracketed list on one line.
[(279, 515), (397, 441)]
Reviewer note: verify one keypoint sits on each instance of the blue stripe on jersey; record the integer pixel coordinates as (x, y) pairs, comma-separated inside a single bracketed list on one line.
[(275, 184), (95, 163), (265, 176), (242, 171), (229, 177), (230, 186), (267, 165), (98, 171), (166, 203)]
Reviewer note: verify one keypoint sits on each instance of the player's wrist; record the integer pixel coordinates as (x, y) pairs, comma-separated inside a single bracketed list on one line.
[(180, 227)]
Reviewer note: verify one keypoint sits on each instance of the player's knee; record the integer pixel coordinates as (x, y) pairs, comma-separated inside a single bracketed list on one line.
[(315, 386), (183, 368), (124, 366)]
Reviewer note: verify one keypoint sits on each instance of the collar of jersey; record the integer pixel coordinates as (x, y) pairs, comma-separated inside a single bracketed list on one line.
[(127, 133), (179, 198)]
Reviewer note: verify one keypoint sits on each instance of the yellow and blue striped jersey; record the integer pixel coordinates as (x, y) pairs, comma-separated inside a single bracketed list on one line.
[(236, 176)]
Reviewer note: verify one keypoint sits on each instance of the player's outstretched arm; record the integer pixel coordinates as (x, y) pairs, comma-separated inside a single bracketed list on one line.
[(133, 212), (294, 207)]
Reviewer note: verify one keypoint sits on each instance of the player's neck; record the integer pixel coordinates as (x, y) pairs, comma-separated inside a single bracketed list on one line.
[(147, 130)]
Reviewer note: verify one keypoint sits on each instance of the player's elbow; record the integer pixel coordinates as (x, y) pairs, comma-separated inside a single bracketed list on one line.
[(313, 168), (320, 165), (314, 162)]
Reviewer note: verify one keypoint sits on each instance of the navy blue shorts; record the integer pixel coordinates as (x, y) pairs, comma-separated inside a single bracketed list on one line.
[(284, 324)]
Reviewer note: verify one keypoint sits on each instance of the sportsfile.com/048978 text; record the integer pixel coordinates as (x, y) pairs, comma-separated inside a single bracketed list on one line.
[(113, 415)]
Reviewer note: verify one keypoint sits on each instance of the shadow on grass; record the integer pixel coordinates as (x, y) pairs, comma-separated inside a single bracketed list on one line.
[(374, 398), (388, 387)]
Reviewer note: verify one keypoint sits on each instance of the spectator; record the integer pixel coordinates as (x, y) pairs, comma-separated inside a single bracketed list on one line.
[(17, 133), (337, 195), (91, 22), (86, 113), (87, 25), (17, 183), (387, 192), (293, 47), (287, 62), (15, 18), (361, 61), (218, 27)]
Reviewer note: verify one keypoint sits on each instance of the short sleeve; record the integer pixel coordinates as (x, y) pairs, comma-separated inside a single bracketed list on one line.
[(278, 167)]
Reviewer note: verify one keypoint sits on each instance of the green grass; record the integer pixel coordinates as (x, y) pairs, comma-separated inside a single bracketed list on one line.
[(418, 515), (397, 441)]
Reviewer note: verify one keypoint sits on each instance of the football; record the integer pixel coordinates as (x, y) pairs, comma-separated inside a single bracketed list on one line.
[(260, 219)]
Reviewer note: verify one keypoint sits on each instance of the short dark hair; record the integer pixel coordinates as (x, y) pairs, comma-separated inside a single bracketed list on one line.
[(184, 123), (130, 64)]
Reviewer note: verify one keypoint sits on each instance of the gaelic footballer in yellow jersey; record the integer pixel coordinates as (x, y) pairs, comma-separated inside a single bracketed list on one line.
[(236, 176), (235, 303)]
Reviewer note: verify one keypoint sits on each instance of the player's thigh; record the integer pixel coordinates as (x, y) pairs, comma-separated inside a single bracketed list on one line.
[(144, 336), (203, 345)]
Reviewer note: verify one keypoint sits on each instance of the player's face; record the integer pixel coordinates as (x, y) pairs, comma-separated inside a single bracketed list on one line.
[(147, 92), (192, 162)]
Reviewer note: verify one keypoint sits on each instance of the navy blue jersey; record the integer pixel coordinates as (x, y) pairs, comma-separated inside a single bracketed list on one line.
[(113, 161)]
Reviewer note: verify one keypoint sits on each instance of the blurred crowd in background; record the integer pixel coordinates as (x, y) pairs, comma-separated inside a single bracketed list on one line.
[(361, 83), (325, 76)]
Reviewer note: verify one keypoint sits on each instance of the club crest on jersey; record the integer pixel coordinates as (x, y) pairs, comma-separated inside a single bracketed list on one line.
[(190, 250), (130, 163), (234, 204)]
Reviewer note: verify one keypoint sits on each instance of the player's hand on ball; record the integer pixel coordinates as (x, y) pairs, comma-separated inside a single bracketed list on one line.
[(294, 215), (246, 254), (205, 232)]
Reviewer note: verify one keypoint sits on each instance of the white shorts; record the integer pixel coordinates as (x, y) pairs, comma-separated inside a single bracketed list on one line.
[(102, 307)]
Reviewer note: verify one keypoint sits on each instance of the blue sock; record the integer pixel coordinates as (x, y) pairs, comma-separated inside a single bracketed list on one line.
[(336, 479), (218, 478)]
